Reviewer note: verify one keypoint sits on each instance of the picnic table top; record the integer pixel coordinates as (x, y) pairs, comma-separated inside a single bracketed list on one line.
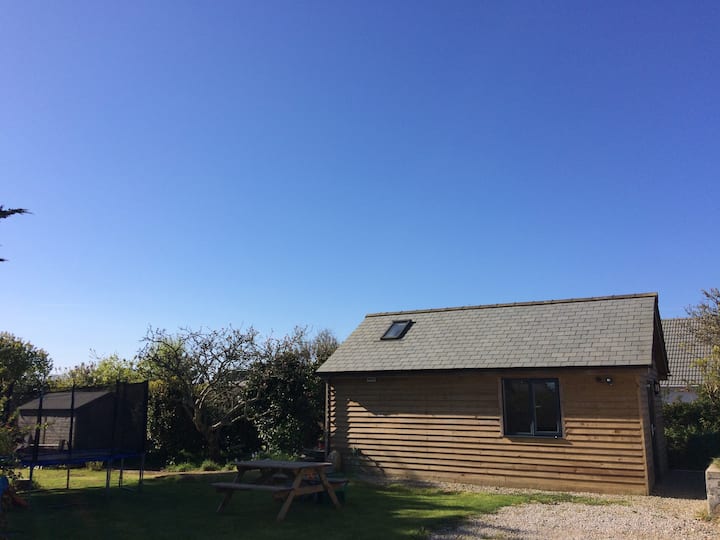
[(277, 464)]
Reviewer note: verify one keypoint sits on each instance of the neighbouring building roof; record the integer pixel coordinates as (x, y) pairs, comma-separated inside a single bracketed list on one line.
[(62, 400), (683, 350), (585, 332)]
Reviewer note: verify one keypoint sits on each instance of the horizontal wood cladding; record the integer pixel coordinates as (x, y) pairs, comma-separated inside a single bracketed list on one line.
[(450, 427)]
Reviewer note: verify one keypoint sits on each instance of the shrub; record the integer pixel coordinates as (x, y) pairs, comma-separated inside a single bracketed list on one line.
[(284, 395), (181, 467), (692, 431), (209, 465), (95, 465)]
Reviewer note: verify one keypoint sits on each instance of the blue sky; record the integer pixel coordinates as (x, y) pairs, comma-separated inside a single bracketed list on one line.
[(305, 163)]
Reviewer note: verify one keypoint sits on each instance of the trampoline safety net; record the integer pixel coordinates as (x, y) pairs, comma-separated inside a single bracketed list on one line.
[(85, 424)]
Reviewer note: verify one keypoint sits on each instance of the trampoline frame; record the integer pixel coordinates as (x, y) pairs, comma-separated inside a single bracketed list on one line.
[(108, 456)]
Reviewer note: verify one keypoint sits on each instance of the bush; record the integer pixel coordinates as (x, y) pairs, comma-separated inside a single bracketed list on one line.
[(95, 465), (284, 395), (209, 465), (170, 430), (181, 467), (692, 431)]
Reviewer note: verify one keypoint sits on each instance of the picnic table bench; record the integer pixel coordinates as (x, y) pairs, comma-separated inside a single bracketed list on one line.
[(307, 477)]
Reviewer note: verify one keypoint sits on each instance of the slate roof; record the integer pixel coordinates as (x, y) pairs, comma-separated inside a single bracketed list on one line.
[(58, 401), (683, 349), (586, 332)]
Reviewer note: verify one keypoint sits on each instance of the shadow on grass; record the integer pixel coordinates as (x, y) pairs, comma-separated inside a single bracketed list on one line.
[(184, 508)]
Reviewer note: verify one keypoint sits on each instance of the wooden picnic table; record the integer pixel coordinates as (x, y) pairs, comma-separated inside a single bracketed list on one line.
[(307, 477)]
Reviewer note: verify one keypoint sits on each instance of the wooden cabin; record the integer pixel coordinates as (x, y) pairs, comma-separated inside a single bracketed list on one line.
[(560, 395)]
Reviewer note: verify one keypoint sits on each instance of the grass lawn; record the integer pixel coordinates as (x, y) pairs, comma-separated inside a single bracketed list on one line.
[(183, 507)]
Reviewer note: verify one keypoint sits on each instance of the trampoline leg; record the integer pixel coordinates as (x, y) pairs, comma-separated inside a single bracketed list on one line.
[(32, 467), (122, 470), (142, 472), (107, 477), (67, 479)]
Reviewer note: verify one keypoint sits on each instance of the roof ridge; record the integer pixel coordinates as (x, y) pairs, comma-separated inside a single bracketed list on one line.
[(519, 304)]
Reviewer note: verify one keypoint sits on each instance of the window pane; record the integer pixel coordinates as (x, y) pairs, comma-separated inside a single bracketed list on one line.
[(517, 407), (397, 330), (547, 410)]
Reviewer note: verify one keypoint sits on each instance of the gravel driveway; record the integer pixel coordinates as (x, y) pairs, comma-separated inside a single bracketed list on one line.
[(640, 518), (672, 516)]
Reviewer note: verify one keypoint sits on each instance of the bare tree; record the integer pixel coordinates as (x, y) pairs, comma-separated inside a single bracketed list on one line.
[(707, 316), (207, 368), (706, 327)]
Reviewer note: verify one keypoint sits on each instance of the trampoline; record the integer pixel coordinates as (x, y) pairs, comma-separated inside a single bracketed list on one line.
[(78, 426)]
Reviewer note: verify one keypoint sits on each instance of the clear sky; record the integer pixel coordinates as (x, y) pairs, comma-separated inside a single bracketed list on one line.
[(305, 163)]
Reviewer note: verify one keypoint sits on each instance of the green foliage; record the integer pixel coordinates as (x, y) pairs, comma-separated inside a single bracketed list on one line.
[(95, 465), (710, 372), (284, 396), (204, 369), (23, 368), (8, 458), (692, 432), (170, 430), (7, 441), (102, 372), (706, 315), (210, 465), (186, 466), (274, 454)]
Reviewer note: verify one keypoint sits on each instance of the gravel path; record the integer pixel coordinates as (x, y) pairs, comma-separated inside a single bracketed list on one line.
[(632, 517)]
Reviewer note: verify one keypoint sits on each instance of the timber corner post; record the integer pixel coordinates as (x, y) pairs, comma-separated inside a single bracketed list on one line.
[(712, 485)]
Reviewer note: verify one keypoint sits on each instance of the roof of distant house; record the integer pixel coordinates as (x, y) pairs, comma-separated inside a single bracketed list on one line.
[(683, 350), (581, 332)]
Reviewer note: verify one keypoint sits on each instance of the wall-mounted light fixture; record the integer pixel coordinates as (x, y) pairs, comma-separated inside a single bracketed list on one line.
[(656, 387), (371, 379), (606, 380)]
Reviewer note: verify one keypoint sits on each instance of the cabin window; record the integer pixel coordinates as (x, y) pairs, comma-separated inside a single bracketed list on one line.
[(532, 407), (397, 330)]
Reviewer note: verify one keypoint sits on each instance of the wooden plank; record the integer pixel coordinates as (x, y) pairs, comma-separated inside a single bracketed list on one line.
[(428, 431), (424, 419), (508, 472), (552, 484), (604, 422), (607, 438), (358, 438), (438, 428), (474, 437), (485, 458), (505, 465), (572, 432), (508, 452), (236, 486)]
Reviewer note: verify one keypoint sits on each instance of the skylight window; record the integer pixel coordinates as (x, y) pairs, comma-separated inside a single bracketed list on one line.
[(397, 329)]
